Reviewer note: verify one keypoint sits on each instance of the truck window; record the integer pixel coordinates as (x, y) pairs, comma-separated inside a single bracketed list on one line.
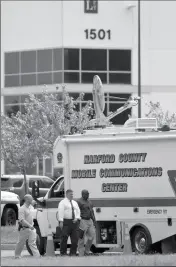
[(58, 189), (47, 183), (5, 182), (34, 180), (18, 183)]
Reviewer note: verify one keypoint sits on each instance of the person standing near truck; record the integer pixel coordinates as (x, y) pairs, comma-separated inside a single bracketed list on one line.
[(69, 216), (87, 224), (26, 228)]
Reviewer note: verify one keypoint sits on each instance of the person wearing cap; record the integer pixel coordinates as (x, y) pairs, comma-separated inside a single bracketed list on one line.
[(69, 217), (87, 224), (26, 228)]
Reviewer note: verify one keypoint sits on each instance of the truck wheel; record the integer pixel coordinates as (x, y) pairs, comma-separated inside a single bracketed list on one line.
[(9, 217), (141, 241), (40, 242)]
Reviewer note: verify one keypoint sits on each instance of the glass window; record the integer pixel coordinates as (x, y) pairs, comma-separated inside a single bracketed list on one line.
[(120, 60), (23, 111), (57, 77), (45, 78), (74, 95), (23, 97), (124, 97), (12, 63), (31, 180), (94, 59), (28, 61), (71, 77), (28, 79), (88, 97), (57, 59), (11, 109), (18, 183), (77, 107), (57, 189), (71, 59), (122, 78), (88, 77), (12, 99), (12, 80), (44, 60), (47, 183), (6, 182), (122, 117)]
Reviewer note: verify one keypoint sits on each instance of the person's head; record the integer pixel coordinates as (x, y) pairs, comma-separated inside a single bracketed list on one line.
[(69, 194), (85, 194), (28, 199)]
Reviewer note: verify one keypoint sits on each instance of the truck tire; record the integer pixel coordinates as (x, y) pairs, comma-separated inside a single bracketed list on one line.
[(141, 240), (9, 217), (40, 242)]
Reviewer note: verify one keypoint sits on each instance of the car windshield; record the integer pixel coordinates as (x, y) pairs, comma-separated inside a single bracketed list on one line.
[(5, 182)]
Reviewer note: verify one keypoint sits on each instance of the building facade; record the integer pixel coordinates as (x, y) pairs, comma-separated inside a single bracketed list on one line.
[(55, 42)]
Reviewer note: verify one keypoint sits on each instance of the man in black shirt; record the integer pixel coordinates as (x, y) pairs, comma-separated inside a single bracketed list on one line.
[(87, 223)]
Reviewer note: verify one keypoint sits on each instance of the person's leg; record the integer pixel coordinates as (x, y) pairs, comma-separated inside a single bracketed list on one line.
[(74, 239), (23, 236), (90, 236), (83, 226), (64, 238), (32, 243)]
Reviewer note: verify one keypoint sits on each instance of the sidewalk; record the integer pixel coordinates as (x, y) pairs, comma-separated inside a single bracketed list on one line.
[(10, 253), (9, 247)]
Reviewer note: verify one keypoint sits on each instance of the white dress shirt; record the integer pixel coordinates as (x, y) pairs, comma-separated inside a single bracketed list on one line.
[(65, 210)]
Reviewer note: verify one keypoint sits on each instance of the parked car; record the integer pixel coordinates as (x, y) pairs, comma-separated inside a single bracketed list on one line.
[(10, 204), (15, 184)]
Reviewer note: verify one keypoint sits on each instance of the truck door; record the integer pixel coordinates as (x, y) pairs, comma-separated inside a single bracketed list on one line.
[(55, 195)]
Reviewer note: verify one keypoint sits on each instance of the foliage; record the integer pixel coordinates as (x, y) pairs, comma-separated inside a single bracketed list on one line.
[(25, 137), (163, 118)]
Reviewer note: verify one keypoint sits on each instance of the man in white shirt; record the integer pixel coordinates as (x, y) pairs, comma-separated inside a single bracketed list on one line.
[(69, 217), (26, 228)]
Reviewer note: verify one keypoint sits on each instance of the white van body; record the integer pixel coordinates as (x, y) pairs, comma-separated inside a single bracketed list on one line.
[(130, 175)]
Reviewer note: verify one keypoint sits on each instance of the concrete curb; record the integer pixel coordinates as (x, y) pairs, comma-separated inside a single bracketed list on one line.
[(9, 246)]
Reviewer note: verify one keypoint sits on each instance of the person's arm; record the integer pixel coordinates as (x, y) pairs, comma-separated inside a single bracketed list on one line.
[(77, 209), (61, 211), (92, 214), (22, 219)]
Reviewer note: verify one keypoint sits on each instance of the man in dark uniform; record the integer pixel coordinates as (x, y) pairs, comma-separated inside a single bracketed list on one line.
[(87, 223)]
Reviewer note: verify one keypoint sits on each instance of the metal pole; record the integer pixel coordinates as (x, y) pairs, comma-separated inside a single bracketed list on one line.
[(139, 58)]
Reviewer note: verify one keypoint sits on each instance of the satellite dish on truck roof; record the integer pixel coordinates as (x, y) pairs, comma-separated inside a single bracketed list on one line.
[(99, 101), (98, 94), (99, 104)]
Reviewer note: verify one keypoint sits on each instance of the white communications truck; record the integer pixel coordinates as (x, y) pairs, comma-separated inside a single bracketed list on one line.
[(130, 172)]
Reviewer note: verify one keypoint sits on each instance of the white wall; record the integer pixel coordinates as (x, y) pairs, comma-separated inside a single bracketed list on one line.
[(30, 25), (162, 43), (111, 15), (166, 100), (40, 24)]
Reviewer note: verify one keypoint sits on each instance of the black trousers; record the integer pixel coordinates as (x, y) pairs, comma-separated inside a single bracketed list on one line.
[(69, 229)]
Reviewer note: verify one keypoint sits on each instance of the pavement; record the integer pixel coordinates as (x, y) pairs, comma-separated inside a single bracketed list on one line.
[(10, 253)]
